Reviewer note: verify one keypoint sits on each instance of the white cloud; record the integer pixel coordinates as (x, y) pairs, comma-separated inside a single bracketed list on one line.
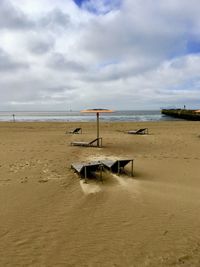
[(135, 56)]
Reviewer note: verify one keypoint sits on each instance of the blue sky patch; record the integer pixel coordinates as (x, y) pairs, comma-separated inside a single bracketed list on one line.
[(193, 47), (98, 7), (79, 2)]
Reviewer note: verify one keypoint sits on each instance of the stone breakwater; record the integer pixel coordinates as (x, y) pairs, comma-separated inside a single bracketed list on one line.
[(187, 114)]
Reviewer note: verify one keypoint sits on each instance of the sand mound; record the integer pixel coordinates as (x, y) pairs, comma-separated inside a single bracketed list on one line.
[(90, 187)]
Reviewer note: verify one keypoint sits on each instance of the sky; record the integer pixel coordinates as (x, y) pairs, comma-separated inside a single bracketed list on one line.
[(119, 54)]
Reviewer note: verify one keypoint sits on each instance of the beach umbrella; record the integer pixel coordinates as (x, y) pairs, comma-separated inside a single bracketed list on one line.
[(97, 111)]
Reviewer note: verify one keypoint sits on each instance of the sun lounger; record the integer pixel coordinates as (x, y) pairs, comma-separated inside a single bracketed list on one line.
[(85, 170), (139, 131), (75, 131), (96, 143), (117, 166)]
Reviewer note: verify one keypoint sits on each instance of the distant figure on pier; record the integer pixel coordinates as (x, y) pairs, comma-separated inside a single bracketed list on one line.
[(13, 117), (184, 107)]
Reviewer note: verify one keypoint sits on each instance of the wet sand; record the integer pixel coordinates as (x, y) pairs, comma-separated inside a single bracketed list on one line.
[(49, 217)]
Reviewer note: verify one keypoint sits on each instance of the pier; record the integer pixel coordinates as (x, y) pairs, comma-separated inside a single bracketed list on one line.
[(187, 114)]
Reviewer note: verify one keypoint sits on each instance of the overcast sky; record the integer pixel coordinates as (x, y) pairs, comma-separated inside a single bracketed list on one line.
[(119, 54)]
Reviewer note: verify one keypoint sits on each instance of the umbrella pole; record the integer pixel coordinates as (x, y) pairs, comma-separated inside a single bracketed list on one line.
[(98, 129)]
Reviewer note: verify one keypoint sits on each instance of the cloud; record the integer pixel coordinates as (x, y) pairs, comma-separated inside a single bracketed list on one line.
[(40, 44), (55, 18), (8, 64), (13, 18), (59, 62), (125, 54)]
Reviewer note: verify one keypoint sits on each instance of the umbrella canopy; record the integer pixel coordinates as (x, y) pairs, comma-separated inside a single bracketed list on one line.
[(97, 111)]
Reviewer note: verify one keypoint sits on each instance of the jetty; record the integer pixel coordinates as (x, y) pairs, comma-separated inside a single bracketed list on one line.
[(187, 114)]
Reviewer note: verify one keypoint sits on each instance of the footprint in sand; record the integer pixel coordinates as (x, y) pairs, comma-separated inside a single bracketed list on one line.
[(16, 167), (43, 180), (24, 180), (51, 175)]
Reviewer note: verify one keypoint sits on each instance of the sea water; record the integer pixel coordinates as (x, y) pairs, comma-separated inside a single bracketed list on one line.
[(77, 116)]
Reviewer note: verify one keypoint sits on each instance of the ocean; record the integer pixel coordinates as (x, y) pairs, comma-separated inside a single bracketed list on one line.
[(77, 116)]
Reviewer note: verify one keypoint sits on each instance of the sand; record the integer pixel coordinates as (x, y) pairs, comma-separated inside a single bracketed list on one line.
[(49, 217)]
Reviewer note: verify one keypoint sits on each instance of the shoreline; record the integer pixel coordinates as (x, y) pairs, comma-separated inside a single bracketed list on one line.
[(129, 116)]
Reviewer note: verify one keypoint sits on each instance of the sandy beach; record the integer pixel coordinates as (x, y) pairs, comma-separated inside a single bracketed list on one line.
[(49, 217)]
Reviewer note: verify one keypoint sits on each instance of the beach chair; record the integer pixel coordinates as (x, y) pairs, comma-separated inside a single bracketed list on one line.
[(86, 170), (139, 131), (95, 143), (75, 131), (117, 166)]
